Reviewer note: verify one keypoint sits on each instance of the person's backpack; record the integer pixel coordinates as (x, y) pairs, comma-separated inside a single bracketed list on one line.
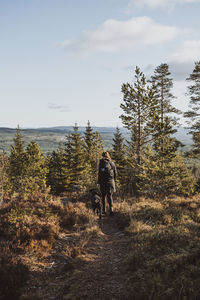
[(106, 170)]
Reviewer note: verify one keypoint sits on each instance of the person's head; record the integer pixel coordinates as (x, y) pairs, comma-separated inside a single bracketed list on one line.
[(106, 154)]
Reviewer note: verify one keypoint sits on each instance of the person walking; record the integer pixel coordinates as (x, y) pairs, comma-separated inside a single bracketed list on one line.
[(106, 179)]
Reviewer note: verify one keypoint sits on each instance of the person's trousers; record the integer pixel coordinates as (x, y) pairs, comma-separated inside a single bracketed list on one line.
[(109, 197)]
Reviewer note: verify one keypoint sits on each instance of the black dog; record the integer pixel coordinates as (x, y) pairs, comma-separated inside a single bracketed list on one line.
[(96, 202)]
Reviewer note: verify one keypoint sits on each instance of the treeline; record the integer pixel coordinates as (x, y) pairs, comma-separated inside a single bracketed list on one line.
[(149, 163), (72, 167)]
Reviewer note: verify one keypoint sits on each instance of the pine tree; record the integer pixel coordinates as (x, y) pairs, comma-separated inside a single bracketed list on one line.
[(88, 138), (118, 155), (93, 150), (174, 179), (163, 122), (89, 155), (3, 174), (163, 112), (98, 148), (75, 159), (148, 176), (35, 169), (17, 164), (193, 114), (138, 99), (138, 102), (57, 177), (118, 147)]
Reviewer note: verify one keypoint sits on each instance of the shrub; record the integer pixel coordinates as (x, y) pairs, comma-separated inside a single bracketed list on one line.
[(164, 255), (13, 274)]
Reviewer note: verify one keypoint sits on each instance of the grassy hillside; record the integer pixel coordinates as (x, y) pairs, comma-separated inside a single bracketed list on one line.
[(150, 248), (30, 233), (164, 255)]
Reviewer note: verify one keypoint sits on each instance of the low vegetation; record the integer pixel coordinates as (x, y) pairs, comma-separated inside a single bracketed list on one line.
[(29, 231), (164, 256)]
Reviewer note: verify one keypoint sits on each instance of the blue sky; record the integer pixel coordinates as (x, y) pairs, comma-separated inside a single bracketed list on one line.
[(64, 61)]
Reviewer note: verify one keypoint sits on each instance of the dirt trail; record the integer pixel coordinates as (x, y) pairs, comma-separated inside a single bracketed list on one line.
[(99, 274), (102, 276)]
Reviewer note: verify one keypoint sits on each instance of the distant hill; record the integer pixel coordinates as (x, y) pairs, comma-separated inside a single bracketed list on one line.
[(48, 138)]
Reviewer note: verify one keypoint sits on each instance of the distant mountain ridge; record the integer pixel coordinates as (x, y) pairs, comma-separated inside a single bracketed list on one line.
[(80, 129), (64, 129), (49, 138)]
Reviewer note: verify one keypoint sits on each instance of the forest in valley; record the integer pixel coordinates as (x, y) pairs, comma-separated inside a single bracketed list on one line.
[(44, 196)]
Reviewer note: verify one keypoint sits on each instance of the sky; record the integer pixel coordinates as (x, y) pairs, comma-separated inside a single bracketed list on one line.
[(64, 61)]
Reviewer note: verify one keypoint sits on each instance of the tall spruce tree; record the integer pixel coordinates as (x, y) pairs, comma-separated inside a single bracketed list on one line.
[(163, 113), (137, 106), (169, 165), (118, 154), (3, 174), (137, 103), (68, 158), (17, 164), (75, 158), (93, 150), (89, 154), (36, 170), (162, 84), (193, 115), (57, 176), (88, 138), (98, 148)]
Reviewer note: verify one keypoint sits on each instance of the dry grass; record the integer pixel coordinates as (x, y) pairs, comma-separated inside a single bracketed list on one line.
[(13, 273), (165, 248), (29, 230), (164, 257)]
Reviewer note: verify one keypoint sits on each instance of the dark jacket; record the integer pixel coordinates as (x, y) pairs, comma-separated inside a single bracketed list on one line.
[(107, 185)]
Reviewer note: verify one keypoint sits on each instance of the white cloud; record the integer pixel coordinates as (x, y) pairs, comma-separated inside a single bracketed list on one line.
[(189, 51), (160, 3), (113, 36), (182, 60), (60, 108)]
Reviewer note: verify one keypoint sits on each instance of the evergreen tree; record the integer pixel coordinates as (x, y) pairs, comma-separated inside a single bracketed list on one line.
[(118, 155), (163, 112), (162, 84), (118, 147), (98, 148), (93, 151), (88, 138), (36, 170), (75, 159), (174, 179), (17, 164), (137, 107), (131, 146), (68, 154), (57, 177), (89, 155), (3, 174), (138, 100), (148, 176), (162, 122), (193, 114)]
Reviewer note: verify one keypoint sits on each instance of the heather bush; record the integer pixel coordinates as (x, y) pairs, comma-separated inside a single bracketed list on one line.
[(29, 229), (13, 274), (164, 256), (75, 215)]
